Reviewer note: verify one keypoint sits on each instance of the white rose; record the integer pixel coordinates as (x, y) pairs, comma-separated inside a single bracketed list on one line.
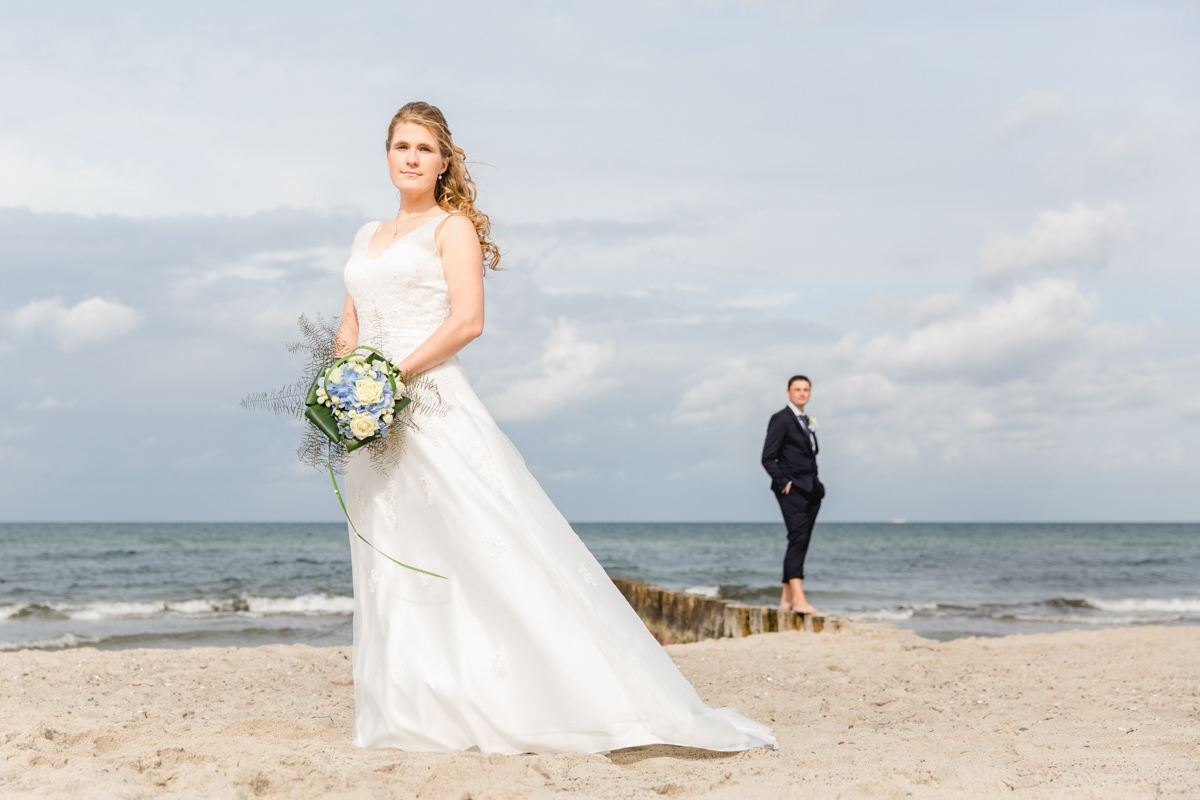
[(399, 388), (336, 376), (363, 425), (368, 392), (387, 419)]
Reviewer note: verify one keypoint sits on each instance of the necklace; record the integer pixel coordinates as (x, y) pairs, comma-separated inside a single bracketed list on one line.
[(396, 230)]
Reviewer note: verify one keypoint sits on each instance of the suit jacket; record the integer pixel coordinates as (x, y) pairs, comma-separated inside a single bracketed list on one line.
[(790, 457)]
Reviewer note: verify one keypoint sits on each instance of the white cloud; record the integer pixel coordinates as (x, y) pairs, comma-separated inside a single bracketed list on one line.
[(1031, 376), (1027, 111), (1128, 153), (860, 392), (271, 265), (916, 313), (566, 370), (764, 301), (936, 307), (728, 394), (90, 321), (1038, 325), (50, 403), (15, 432), (1076, 236)]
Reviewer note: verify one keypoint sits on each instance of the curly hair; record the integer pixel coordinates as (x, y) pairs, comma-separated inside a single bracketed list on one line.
[(455, 191)]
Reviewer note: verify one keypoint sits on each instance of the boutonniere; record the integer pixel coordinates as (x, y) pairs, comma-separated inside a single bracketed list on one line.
[(812, 422)]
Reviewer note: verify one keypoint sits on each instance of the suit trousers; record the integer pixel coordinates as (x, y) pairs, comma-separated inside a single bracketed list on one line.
[(799, 515)]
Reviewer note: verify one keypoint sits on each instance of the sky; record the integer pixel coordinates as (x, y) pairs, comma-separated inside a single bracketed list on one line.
[(974, 225)]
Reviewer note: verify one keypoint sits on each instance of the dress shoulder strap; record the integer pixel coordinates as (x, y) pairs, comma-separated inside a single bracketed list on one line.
[(362, 237), (433, 226)]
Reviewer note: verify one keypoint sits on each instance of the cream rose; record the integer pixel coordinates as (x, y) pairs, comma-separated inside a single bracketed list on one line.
[(368, 392), (363, 425)]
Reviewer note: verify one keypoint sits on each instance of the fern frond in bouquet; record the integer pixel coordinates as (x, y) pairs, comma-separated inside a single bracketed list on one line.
[(355, 401)]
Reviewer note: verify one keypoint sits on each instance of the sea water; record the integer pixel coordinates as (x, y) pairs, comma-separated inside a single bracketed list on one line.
[(236, 584)]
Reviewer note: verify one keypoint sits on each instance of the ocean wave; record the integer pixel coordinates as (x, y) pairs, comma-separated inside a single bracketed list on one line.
[(1058, 611), (30, 611), (62, 642), (881, 615), (896, 614), (305, 605), (1166, 605), (704, 591), (1079, 619)]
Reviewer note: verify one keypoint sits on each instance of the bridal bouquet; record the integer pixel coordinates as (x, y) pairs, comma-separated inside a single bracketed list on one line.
[(359, 400), (354, 400)]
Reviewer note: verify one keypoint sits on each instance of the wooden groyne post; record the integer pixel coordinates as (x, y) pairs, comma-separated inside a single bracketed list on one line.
[(674, 616)]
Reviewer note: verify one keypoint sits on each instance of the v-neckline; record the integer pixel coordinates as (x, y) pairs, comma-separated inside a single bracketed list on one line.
[(398, 239)]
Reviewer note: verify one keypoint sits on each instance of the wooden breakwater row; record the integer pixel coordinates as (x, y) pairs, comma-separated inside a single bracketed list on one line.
[(674, 616)]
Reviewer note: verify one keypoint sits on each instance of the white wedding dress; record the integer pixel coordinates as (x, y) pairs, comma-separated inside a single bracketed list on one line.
[(527, 647)]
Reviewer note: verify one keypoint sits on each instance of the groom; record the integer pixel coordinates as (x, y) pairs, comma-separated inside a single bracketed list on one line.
[(790, 457)]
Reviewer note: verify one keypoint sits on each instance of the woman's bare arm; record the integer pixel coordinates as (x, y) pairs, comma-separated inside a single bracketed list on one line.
[(462, 264), (347, 335)]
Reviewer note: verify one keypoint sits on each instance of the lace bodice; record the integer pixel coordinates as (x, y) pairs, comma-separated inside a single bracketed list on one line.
[(400, 295)]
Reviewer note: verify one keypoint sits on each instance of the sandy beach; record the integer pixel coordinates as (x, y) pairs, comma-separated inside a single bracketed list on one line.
[(870, 711)]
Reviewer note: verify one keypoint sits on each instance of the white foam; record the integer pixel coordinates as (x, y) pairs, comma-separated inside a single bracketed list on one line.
[(1075, 619), (61, 642), (201, 607), (307, 605), (896, 614), (881, 615), (104, 610), (1167, 605), (704, 591), (304, 604)]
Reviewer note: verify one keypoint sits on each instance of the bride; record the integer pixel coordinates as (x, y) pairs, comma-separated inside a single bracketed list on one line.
[(526, 646)]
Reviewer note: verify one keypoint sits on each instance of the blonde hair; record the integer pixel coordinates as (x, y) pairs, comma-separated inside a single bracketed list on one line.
[(455, 191)]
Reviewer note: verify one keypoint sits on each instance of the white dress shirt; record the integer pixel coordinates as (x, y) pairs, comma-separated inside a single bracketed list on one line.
[(803, 420)]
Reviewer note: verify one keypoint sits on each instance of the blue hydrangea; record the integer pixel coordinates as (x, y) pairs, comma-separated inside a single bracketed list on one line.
[(359, 388)]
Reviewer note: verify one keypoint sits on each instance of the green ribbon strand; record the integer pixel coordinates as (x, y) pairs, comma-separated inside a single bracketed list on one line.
[(342, 503)]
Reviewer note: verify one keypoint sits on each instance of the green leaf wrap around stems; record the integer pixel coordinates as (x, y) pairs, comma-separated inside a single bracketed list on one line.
[(342, 503), (322, 417)]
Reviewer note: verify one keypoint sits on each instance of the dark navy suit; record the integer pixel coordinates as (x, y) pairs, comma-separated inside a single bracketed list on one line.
[(790, 456)]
